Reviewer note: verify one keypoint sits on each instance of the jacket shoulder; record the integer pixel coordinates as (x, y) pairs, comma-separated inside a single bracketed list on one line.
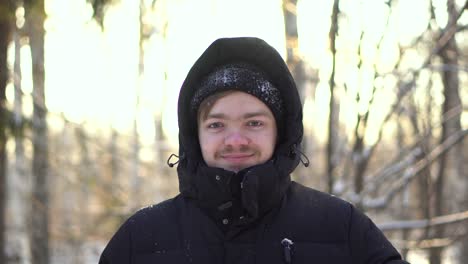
[(319, 217), (139, 233), (314, 215), (156, 212), (311, 199)]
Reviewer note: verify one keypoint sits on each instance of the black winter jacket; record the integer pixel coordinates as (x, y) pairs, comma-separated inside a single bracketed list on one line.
[(322, 228), (257, 215)]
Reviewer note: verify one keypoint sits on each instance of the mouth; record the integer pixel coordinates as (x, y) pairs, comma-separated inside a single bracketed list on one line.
[(236, 158)]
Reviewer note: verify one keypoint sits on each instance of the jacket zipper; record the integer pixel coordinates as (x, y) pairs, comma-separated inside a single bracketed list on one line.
[(287, 248)]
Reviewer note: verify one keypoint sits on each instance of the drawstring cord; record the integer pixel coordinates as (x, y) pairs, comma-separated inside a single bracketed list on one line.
[(172, 164), (302, 157)]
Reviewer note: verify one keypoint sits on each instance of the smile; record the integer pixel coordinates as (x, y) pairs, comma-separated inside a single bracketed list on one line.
[(236, 157)]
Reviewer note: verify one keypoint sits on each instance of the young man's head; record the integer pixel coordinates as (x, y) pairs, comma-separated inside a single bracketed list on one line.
[(238, 114), (239, 98), (235, 130)]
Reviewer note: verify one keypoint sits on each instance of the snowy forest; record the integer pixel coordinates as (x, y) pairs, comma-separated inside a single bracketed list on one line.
[(88, 99)]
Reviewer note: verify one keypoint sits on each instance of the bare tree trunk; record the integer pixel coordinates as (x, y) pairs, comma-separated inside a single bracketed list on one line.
[(6, 24), (424, 182), (333, 114), (295, 64), (135, 178), (35, 16), (70, 200), (161, 153), (136, 182), (2, 184), (20, 182), (452, 109), (87, 173), (404, 212), (3, 138), (293, 60), (450, 162), (462, 254), (114, 163)]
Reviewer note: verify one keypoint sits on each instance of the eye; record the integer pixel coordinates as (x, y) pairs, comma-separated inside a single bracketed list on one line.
[(215, 125), (255, 123)]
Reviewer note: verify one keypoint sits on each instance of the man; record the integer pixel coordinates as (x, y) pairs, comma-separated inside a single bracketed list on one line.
[(240, 125)]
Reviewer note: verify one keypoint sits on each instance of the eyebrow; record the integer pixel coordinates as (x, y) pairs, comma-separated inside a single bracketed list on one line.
[(245, 116)]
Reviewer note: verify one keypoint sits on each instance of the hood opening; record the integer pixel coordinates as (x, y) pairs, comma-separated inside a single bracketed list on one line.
[(259, 54)]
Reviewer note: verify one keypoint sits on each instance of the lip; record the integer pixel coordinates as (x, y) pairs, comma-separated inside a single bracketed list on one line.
[(236, 157)]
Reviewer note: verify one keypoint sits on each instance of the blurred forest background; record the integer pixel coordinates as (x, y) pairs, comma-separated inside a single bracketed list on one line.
[(88, 93)]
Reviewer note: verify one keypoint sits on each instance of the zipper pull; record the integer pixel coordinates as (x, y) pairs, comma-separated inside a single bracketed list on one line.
[(287, 246)]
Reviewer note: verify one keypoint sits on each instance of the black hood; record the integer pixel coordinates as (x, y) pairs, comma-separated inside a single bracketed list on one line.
[(260, 54), (254, 51)]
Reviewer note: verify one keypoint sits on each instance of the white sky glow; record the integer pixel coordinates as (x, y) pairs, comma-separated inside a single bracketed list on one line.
[(92, 75)]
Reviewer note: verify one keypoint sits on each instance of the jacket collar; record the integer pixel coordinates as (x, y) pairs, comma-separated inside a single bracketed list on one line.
[(254, 191)]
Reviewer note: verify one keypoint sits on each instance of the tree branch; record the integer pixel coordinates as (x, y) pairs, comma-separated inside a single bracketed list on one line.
[(428, 243), (423, 223), (410, 173)]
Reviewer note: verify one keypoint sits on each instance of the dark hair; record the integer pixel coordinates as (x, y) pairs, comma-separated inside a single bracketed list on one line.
[(207, 104)]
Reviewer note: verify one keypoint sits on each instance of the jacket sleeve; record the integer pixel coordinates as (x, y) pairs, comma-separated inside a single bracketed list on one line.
[(368, 244), (119, 248)]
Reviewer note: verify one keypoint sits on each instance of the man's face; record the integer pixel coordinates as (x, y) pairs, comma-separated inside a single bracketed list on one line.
[(239, 131)]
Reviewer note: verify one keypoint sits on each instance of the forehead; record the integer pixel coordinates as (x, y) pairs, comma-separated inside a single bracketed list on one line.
[(238, 103)]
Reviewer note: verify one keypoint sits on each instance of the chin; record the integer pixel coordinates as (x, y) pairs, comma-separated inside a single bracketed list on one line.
[(237, 168), (232, 169)]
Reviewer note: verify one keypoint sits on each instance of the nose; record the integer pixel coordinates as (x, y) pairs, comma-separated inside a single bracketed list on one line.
[(236, 138)]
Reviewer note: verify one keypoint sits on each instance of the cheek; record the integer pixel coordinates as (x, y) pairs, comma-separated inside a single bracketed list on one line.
[(203, 142), (266, 142), (207, 144), (271, 147), (272, 141)]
